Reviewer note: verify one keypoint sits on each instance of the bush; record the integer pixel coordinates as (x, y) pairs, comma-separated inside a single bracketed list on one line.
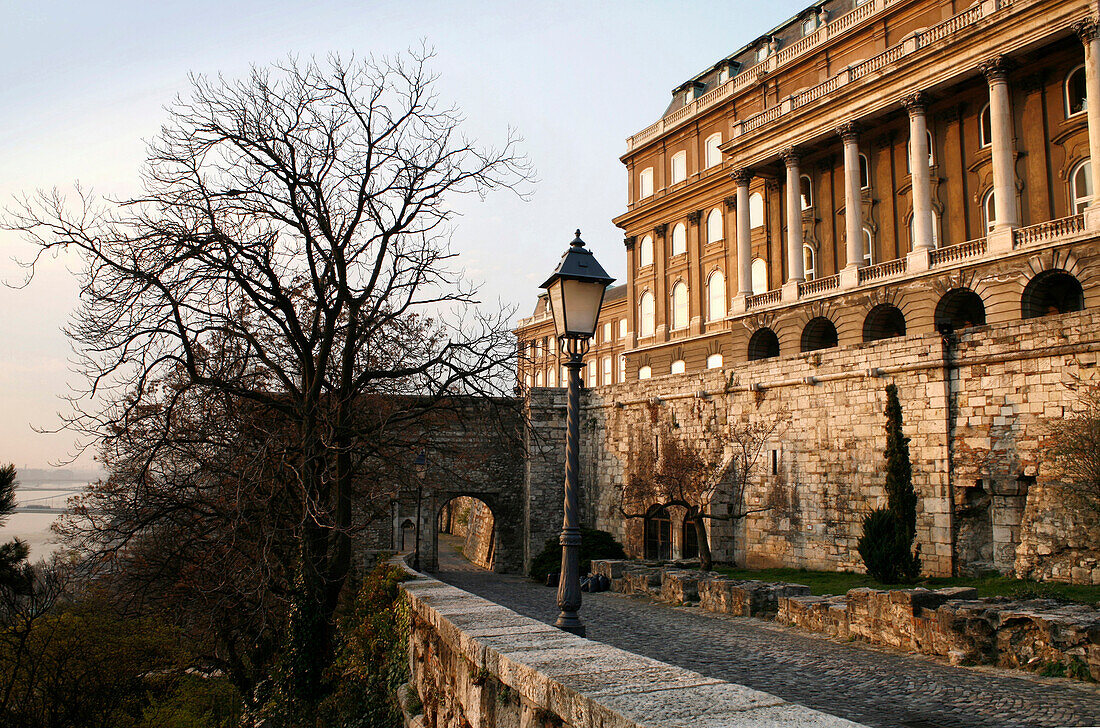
[(372, 657), (595, 544)]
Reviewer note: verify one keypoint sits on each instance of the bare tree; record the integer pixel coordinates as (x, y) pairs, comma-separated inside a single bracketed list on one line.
[(1075, 442), (667, 468), (289, 262)]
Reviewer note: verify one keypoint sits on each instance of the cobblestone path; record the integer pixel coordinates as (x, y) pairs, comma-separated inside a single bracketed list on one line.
[(860, 683)]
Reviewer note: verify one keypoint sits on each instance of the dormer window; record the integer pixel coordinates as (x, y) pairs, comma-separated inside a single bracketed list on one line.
[(723, 75), (762, 53), (809, 25)]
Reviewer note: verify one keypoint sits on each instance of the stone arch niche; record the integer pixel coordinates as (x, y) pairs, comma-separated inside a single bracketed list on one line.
[(763, 344), (959, 308), (1052, 292), (884, 321), (819, 333)]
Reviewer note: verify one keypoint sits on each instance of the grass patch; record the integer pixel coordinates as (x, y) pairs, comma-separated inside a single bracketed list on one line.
[(836, 582)]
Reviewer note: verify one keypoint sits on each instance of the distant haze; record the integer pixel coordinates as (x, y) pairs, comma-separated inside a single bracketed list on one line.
[(85, 83)]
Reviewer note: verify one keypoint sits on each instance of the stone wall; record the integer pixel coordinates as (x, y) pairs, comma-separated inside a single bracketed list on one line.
[(480, 525), (820, 475), (977, 410), (475, 664)]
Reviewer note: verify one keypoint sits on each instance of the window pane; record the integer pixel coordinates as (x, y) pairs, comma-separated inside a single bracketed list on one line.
[(679, 239), (1075, 91), (756, 210)]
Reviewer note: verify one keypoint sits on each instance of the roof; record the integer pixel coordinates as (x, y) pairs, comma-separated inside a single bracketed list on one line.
[(744, 57)]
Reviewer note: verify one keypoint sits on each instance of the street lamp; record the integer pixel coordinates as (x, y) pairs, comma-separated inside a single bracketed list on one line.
[(576, 293), (421, 464)]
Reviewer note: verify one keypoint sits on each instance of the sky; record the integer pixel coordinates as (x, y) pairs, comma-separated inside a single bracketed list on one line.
[(84, 86)]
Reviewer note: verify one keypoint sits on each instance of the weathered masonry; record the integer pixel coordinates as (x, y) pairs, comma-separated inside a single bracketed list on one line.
[(873, 191)]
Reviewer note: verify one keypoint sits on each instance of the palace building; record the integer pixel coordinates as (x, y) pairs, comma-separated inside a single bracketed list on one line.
[(872, 192), (849, 176)]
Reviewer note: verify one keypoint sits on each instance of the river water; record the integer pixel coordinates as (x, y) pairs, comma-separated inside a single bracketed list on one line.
[(34, 528)]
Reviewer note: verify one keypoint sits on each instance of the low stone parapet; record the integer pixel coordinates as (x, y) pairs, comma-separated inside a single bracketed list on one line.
[(1033, 634), (952, 622), (477, 664)]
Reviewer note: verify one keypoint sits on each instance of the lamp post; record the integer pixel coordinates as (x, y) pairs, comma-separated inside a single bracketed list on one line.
[(576, 293), (421, 464)]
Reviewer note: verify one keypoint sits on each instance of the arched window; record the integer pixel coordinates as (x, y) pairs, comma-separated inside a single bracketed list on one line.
[(756, 210), (959, 308), (716, 296), (989, 211), (689, 539), (645, 372), (1050, 292), (714, 226), (759, 276), (985, 127), (884, 321), (658, 534), (762, 53), (645, 252), (679, 238), (678, 367), (763, 344), (538, 378), (1080, 187), (679, 167), (590, 368), (679, 306), (714, 361), (909, 154), (809, 262), (820, 333), (806, 191), (551, 377), (645, 183), (868, 246), (864, 172), (645, 314), (713, 153), (1075, 92), (809, 25), (606, 364)]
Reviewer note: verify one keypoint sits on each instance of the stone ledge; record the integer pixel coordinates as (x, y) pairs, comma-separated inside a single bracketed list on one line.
[(477, 663)]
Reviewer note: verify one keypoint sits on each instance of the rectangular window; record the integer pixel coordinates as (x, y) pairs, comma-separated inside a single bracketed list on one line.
[(607, 371), (607, 332), (622, 328), (591, 367), (622, 367)]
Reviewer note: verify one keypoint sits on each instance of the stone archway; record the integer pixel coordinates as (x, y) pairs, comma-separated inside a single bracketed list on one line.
[(467, 524)]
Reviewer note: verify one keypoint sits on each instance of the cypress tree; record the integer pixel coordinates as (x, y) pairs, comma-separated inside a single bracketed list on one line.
[(886, 546)]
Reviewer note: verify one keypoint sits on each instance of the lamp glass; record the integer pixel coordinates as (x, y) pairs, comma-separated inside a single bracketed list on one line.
[(582, 300)]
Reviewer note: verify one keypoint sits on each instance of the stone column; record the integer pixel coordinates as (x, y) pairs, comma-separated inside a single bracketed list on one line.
[(660, 295), (630, 243), (795, 272), (730, 247), (1000, 117), (695, 266), (742, 177), (853, 204), (1090, 37), (920, 174)]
